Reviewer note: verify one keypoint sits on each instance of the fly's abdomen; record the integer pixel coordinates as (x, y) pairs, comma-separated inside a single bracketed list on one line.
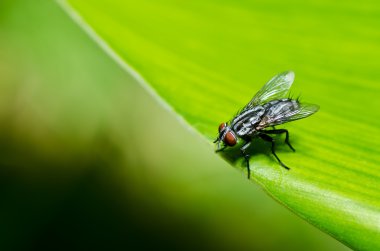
[(281, 106), (278, 112)]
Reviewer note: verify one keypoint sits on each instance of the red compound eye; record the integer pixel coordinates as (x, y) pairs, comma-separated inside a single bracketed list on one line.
[(222, 126), (230, 139)]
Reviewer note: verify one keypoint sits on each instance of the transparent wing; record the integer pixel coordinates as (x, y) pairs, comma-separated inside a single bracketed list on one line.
[(276, 88), (286, 115)]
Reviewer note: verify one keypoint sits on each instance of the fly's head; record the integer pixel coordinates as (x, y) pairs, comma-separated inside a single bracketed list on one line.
[(226, 135)]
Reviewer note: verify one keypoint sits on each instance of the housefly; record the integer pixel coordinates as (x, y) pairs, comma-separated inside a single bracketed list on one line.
[(268, 108)]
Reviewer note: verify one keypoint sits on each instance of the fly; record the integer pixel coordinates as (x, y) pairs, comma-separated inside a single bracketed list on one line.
[(268, 108)]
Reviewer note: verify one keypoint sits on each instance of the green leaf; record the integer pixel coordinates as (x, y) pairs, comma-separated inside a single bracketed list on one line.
[(206, 59)]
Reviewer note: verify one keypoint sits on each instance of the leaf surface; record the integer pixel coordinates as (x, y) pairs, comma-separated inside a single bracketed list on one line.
[(206, 59)]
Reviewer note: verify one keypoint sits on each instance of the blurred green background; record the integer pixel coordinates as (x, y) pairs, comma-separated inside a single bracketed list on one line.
[(90, 161)]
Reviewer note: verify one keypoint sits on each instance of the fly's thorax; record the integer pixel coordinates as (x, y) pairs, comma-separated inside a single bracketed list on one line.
[(245, 123)]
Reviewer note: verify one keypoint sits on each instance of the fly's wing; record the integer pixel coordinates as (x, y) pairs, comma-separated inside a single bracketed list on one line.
[(276, 88), (299, 111)]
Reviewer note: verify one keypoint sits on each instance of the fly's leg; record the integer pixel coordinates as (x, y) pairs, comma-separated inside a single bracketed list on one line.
[(270, 139), (246, 156), (220, 149), (281, 131)]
